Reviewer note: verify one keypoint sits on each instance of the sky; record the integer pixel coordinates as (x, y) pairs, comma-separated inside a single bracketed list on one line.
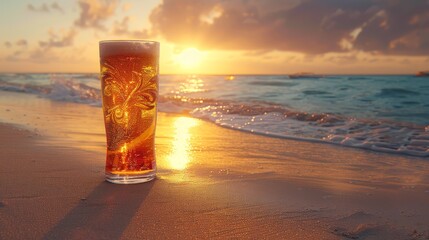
[(221, 37)]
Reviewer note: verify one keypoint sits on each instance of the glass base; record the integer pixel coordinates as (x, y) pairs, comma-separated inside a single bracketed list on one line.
[(130, 179)]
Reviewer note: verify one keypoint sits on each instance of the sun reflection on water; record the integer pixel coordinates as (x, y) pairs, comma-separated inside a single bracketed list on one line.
[(179, 157), (193, 84)]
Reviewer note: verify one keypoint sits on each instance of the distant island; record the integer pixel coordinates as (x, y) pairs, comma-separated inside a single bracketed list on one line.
[(422, 74), (305, 75)]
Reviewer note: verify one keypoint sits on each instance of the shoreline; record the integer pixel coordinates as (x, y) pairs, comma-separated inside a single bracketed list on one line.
[(227, 181), (403, 145), (317, 141)]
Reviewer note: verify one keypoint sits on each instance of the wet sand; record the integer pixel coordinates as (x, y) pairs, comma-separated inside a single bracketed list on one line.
[(212, 183)]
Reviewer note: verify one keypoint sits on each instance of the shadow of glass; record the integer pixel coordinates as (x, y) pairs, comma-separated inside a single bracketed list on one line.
[(104, 214)]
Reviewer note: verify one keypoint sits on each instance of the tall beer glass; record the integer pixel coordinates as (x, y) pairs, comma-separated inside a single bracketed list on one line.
[(129, 85)]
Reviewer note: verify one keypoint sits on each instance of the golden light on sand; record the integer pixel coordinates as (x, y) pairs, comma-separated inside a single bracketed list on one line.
[(179, 157), (189, 58)]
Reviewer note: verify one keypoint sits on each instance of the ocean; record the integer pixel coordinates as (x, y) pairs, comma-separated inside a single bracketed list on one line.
[(386, 113)]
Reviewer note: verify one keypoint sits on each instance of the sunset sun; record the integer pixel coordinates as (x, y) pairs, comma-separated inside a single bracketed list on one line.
[(189, 58)]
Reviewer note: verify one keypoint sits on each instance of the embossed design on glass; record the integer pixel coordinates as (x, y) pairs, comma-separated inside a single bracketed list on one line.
[(129, 84)]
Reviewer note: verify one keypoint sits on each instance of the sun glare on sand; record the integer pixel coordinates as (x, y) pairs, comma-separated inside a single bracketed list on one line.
[(179, 157), (189, 58)]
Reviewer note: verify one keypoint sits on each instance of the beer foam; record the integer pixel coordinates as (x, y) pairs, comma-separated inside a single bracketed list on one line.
[(128, 48)]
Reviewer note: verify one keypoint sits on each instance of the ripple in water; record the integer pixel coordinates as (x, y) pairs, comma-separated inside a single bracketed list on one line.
[(396, 92)]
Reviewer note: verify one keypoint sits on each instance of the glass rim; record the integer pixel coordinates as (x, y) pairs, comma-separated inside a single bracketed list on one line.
[(128, 41)]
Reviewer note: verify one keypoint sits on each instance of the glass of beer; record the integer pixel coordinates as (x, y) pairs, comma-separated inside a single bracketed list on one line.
[(129, 86)]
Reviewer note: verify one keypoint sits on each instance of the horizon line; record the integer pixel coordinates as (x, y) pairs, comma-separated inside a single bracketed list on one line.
[(223, 74)]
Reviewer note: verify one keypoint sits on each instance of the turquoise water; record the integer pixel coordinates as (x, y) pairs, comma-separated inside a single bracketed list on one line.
[(398, 98), (383, 113)]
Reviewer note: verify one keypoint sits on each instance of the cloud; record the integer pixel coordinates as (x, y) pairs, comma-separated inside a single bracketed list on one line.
[(42, 8), (121, 28), (372, 60), (22, 43), (45, 7), (342, 59), (55, 40), (308, 26), (257, 53), (47, 51), (57, 7), (398, 27), (15, 56), (405, 61), (19, 43), (94, 12)]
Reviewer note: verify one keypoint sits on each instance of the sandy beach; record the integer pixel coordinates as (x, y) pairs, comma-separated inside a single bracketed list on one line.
[(299, 119), (212, 182)]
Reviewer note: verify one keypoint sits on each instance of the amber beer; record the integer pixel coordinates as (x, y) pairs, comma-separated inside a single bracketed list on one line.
[(129, 85)]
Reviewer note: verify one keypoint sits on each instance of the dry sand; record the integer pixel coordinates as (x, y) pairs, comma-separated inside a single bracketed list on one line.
[(212, 183)]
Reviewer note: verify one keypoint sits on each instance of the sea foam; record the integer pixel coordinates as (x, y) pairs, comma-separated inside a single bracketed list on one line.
[(254, 115)]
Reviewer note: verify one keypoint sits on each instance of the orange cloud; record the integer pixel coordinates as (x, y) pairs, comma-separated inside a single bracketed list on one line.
[(8, 44), (22, 43), (307, 26), (93, 13), (45, 51), (121, 28), (55, 40)]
